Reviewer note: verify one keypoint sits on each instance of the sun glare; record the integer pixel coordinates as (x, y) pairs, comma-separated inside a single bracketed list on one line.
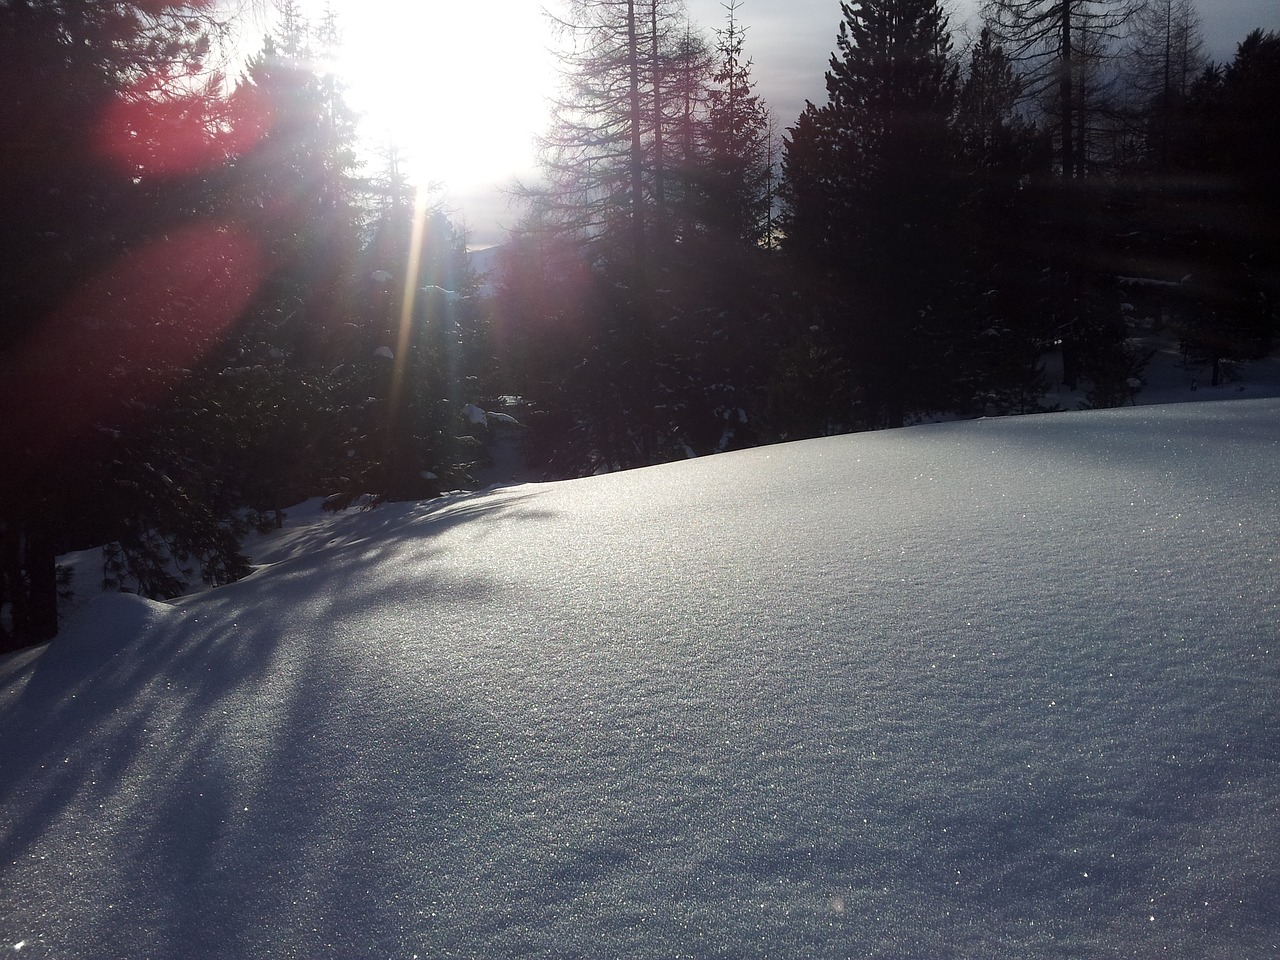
[(460, 88)]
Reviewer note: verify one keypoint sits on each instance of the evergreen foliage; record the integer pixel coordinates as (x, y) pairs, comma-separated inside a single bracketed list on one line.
[(1229, 140), (738, 160), (1001, 156), (659, 293), (870, 201)]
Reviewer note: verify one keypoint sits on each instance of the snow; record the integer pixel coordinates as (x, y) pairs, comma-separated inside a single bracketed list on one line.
[(1007, 688), (1167, 377), (477, 416), (450, 296)]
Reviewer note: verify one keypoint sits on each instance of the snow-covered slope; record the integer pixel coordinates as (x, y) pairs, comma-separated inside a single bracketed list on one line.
[(1005, 688)]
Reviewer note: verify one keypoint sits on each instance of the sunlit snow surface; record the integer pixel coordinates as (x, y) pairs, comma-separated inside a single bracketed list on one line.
[(1000, 689)]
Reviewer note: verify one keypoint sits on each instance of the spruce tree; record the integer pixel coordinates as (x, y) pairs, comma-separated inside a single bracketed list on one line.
[(298, 189), (737, 164), (1066, 54), (1002, 156), (868, 199), (690, 66), (1230, 140)]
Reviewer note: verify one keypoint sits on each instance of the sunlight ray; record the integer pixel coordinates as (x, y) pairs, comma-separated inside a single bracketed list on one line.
[(408, 301)]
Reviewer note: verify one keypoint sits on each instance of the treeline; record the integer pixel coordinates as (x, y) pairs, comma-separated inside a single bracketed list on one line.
[(915, 246), (210, 310)]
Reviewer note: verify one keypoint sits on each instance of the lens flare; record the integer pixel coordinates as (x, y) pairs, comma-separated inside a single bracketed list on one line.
[(167, 128), (126, 336), (408, 301)]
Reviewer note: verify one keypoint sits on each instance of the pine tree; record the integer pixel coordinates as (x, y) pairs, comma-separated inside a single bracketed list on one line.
[(1230, 139), (736, 136), (690, 66), (1066, 54), (299, 190), (714, 336), (986, 110), (299, 183), (868, 197), (1004, 157), (424, 355)]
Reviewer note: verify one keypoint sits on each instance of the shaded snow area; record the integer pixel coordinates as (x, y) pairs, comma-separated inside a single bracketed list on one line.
[(997, 689), (1168, 377)]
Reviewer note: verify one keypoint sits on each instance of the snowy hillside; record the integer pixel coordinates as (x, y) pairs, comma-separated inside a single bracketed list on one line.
[(998, 689)]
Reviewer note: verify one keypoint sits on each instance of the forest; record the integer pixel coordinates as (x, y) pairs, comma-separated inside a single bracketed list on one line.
[(212, 306)]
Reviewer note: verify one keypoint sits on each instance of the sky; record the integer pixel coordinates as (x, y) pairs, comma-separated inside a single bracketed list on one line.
[(463, 87), (1007, 688)]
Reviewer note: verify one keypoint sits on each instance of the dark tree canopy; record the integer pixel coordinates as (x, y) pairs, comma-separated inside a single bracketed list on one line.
[(868, 193), (107, 139)]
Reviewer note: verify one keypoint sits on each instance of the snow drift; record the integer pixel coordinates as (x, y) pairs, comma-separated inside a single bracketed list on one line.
[(1005, 688)]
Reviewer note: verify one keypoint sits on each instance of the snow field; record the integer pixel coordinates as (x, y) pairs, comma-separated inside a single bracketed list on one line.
[(1003, 688)]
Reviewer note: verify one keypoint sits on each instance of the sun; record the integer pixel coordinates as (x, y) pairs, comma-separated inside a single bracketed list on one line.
[(460, 88)]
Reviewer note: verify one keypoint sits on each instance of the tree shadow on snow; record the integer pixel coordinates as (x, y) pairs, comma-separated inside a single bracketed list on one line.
[(282, 772)]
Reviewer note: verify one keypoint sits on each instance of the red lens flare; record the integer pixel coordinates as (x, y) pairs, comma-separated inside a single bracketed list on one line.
[(127, 335), (157, 127)]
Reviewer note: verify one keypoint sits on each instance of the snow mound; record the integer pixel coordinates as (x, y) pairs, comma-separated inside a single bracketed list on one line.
[(100, 628), (998, 689)]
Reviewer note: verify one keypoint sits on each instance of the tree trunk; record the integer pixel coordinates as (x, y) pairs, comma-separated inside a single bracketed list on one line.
[(29, 583), (637, 143), (659, 152), (42, 582), (1066, 91), (12, 589)]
